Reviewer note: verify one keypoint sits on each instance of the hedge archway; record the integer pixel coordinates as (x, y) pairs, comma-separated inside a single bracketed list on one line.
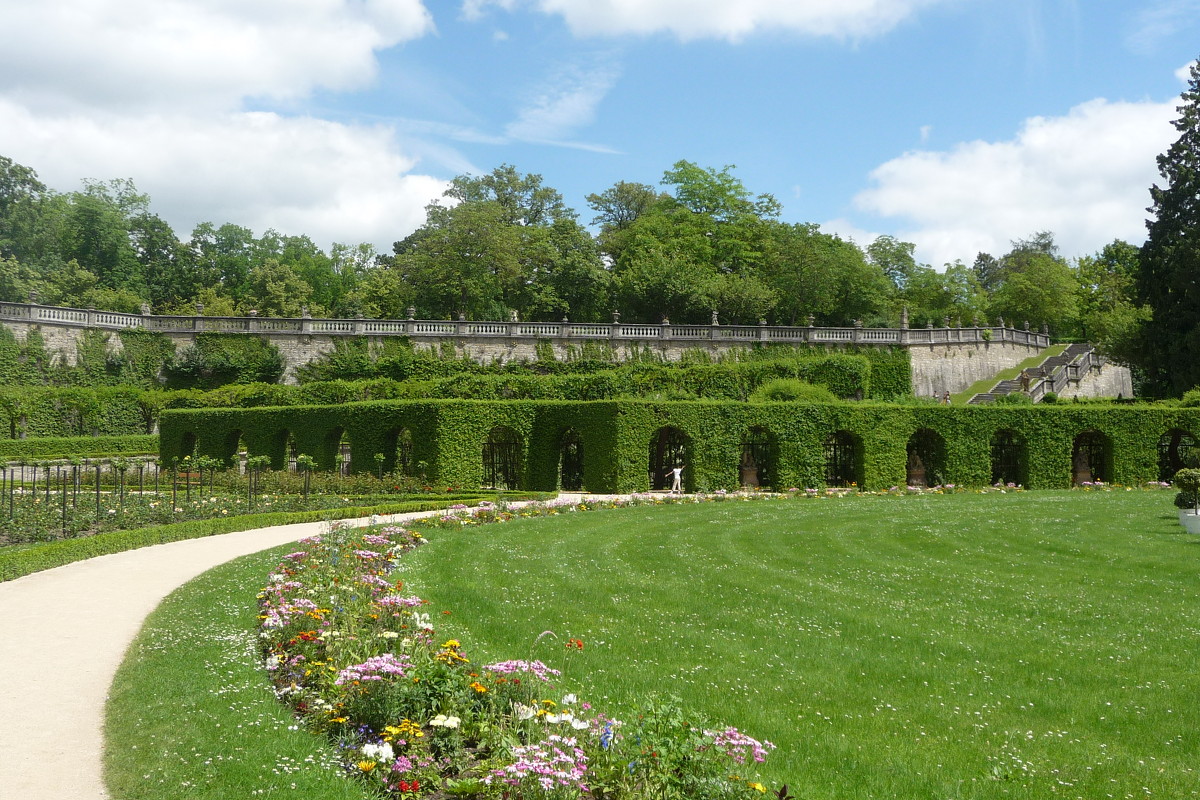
[(502, 459), (1091, 458), (843, 452), (1010, 461), (1176, 450), (759, 464), (926, 458), (570, 461), (669, 448)]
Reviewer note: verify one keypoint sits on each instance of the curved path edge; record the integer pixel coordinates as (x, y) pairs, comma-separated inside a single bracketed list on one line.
[(66, 631)]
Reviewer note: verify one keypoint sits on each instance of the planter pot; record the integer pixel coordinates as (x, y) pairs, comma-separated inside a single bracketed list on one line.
[(1190, 520)]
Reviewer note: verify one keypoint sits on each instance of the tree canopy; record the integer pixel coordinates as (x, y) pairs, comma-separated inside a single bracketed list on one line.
[(699, 243)]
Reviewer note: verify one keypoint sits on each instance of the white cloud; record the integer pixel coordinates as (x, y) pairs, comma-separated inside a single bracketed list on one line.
[(157, 91), (1084, 176), (1160, 20), (194, 53), (564, 103), (848, 231), (722, 19), (330, 181)]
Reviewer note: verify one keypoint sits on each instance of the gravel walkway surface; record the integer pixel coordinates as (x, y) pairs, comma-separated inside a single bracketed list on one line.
[(66, 631)]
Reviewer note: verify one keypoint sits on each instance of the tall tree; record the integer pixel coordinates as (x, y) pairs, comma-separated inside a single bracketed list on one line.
[(895, 258), (1168, 350), (1108, 316)]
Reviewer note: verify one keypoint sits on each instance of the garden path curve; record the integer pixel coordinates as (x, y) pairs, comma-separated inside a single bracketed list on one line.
[(66, 631)]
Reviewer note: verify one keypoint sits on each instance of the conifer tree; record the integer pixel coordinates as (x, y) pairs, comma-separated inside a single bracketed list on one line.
[(1168, 279)]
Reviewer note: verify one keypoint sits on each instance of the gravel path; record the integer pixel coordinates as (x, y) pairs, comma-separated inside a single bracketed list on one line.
[(66, 631)]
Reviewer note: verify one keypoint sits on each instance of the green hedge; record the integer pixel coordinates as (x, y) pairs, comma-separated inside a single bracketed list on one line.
[(76, 446), (14, 564), (617, 437)]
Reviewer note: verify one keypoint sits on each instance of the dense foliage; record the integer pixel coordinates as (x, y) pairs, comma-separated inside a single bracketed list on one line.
[(1166, 281), (627, 445), (99, 409)]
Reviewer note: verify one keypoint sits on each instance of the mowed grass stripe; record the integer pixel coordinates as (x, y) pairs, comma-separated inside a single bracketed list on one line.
[(969, 646)]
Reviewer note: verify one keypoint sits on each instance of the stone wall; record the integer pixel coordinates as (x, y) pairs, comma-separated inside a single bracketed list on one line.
[(944, 359), (1110, 380), (954, 367)]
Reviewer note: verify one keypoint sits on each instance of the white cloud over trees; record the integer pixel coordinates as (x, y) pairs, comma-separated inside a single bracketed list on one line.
[(1084, 176)]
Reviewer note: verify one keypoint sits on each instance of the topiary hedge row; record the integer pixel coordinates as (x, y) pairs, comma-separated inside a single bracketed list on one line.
[(626, 444), (67, 447), (120, 410)]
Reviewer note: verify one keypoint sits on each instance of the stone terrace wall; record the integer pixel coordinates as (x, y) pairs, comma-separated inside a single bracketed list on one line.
[(944, 359)]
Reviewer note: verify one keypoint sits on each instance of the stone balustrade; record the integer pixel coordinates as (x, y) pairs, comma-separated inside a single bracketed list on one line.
[(637, 333)]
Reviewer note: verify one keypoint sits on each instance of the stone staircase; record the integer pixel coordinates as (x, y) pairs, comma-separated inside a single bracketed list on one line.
[(1052, 375)]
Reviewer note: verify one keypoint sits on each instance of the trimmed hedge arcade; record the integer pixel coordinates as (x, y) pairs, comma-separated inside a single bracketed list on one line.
[(629, 446)]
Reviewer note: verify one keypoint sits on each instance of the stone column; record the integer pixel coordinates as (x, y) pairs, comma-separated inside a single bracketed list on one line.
[(305, 320), (252, 323)]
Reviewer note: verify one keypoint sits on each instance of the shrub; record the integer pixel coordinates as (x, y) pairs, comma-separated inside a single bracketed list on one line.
[(792, 390), (1014, 399), (1187, 481)]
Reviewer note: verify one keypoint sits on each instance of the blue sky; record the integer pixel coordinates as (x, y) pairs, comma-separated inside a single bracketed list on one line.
[(959, 125)]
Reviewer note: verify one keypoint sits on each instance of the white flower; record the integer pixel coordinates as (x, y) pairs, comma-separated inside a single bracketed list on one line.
[(523, 711), (389, 634), (379, 752), (570, 700), (443, 721), (579, 724)]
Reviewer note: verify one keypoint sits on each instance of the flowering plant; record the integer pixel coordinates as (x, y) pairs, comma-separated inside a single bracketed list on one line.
[(413, 715)]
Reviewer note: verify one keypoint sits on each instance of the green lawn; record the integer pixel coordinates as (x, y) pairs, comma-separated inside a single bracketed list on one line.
[(191, 714), (1028, 645)]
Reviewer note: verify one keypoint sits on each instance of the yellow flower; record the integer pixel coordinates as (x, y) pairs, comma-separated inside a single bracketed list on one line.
[(479, 687), (338, 719), (366, 766), (758, 787)]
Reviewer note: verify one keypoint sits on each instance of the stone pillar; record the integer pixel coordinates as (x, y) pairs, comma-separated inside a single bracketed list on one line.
[(31, 311), (665, 331), (410, 325), (198, 320), (856, 337), (90, 317), (360, 327), (614, 330), (305, 320), (762, 330), (252, 323)]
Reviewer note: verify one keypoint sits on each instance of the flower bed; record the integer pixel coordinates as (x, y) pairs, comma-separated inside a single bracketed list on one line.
[(414, 716)]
